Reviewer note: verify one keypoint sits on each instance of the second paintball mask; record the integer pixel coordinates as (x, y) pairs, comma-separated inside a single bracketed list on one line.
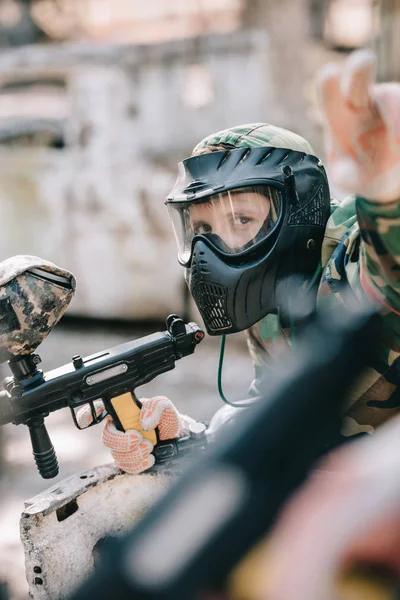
[(245, 220)]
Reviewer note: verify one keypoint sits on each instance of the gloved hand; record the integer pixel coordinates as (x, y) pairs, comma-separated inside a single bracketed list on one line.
[(362, 122), (131, 452)]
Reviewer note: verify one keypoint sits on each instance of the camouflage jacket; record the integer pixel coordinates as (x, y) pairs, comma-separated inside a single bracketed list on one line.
[(361, 247)]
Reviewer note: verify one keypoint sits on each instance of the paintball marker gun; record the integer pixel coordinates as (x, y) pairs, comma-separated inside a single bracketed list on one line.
[(34, 294), (191, 541)]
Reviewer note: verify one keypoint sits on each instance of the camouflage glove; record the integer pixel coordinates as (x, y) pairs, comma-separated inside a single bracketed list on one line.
[(130, 451), (362, 122)]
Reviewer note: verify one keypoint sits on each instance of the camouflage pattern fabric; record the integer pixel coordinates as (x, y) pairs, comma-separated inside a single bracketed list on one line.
[(361, 248), (256, 134), (30, 304)]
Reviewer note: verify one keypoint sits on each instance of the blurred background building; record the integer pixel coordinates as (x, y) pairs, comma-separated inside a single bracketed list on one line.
[(99, 99)]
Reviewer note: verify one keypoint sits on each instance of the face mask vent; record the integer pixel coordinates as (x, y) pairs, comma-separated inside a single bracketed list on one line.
[(211, 302)]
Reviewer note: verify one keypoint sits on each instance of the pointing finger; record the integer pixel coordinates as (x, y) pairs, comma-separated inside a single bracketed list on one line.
[(359, 74), (328, 86)]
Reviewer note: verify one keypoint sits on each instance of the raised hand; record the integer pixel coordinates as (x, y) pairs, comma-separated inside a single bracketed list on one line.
[(362, 125)]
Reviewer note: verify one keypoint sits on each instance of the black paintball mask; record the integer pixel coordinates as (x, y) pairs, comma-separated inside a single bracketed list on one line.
[(245, 221)]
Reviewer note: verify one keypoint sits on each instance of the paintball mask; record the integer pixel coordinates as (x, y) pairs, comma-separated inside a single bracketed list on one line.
[(34, 295), (245, 220)]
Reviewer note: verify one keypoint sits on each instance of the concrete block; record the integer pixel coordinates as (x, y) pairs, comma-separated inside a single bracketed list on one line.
[(61, 528)]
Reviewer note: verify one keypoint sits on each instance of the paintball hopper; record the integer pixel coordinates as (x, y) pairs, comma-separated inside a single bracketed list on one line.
[(34, 294)]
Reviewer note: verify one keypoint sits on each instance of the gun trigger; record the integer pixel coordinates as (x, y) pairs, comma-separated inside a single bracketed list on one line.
[(100, 417)]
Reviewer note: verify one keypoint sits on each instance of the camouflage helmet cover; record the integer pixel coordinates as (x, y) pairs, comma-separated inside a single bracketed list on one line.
[(253, 135)]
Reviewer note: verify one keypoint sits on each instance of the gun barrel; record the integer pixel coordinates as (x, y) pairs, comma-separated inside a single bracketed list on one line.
[(114, 371)]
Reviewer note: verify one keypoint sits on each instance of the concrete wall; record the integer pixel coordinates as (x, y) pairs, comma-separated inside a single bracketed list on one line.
[(63, 527), (96, 207)]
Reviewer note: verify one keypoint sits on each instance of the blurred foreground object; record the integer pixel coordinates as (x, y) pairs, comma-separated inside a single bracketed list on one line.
[(362, 129), (192, 539), (345, 522)]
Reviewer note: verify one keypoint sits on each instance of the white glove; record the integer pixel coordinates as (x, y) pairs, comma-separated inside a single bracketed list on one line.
[(131, 452)]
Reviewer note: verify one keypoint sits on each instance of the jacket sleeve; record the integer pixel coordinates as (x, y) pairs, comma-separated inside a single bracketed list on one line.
[(380, 251)]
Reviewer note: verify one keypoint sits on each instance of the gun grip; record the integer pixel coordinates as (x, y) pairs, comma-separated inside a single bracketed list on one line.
[(127, 409)]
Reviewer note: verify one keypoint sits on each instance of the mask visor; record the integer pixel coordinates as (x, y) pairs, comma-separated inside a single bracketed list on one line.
[(233, 221)]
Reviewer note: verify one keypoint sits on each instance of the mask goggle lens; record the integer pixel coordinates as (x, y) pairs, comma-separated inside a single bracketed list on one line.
[(234, 221)]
